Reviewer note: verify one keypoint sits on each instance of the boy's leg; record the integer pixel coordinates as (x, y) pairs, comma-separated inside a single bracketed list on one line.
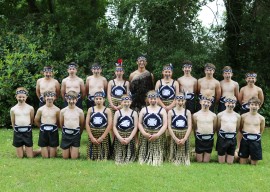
[(243, 160), (45, 152), (52, 152), (29, 152), (221, 159), (230, 159), (66, 153), (19, 152), (199, 157), (254, 162), (74, 152), (206, 157)]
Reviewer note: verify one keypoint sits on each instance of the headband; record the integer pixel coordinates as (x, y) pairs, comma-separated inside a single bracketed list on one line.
[(178, 97), (125, 98), (187, 65), (251, 75), (230, 100), (50, 94), (153, 95), (21, 92), (209, 68), (119, 69), (141, 58), (47, 69), (99, 94), (70, 97), (227, 71), (208, 99), (168, 67), (72, 65), (95, 67)]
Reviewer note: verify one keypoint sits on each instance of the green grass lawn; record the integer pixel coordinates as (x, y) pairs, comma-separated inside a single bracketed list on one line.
[(82, 175)]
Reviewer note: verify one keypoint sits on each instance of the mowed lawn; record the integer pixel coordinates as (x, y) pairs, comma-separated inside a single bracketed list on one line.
[(40, 174)]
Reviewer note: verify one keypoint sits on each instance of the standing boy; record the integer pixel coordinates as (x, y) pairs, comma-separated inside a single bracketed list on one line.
[(188, 84), (73, 83), (204, 125), (47, 83), (228, 125), (251, 128), (22, 116), (209, 83), (95, 83), (72, 122), (249, 91), (47, 119), (228, 87)]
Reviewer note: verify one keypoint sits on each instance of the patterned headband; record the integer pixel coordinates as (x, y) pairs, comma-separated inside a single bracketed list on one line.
[(95, 67), (99, 94), (230, 100), (47, 69), (169, 67), (153, 95), (178, 97), (187, 65), (70, 97), (208, 99), (227, 71), (72, 65), (21, 92), (209, 68), (251, 75), (125, 98), (141, 58), (50, 94)]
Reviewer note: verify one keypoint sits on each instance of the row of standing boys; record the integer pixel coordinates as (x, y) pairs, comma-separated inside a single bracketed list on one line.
[(164, 116)]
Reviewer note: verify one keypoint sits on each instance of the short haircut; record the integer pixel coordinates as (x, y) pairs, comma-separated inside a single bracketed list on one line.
[(255, 100), (210, 65)]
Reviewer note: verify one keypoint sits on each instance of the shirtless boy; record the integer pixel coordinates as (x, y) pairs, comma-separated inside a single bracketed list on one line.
[(95, 83), (72, 122), (73, 83), (228, 87), (47, 119), (47, 83), (22, 116), (188, 84), (252, 127), (209, 83), (249, 91), (228, 126), (204, 122)]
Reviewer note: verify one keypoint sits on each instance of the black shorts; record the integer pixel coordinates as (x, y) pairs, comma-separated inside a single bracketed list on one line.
[(250, 148), (70, 140), (48, 138), (225, 146), (221, 107), (191, 105), (20, 139), (203, 146), (41, 101), (90, 101)]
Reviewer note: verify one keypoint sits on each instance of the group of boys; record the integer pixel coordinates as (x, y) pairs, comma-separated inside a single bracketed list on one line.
[(210, 91)]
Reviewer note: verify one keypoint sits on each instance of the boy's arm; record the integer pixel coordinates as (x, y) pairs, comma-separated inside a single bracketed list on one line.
[(87, 87), (199, 87), (32, 115), (38, 88), (57, 88), (82, 88), (37, 118), (238, 123), (262, 125), (61, 118), (194, 123), (218, 122), (261, 96), (240, 96), (215, 123), (195, 87), (236, 90), (81, 121), (105, 83), (12, 117), (63, 89), (57, 118), (218, 92)]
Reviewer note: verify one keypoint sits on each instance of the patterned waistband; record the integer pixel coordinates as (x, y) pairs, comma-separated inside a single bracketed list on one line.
[(69, 131), (251, 136), (22, 129), (205, 137), (48, 127), (227, 135)]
